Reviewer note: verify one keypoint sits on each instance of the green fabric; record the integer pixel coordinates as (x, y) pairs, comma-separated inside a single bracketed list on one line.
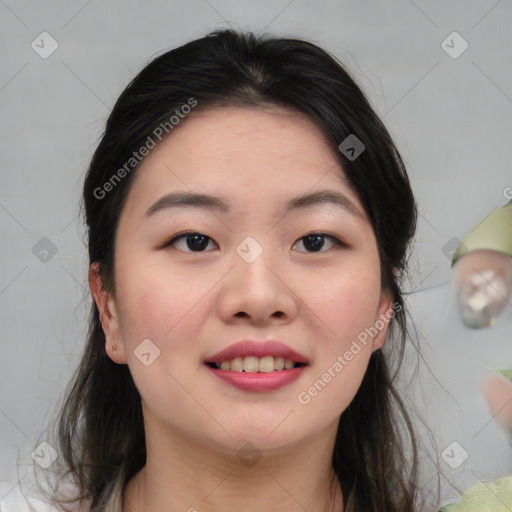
[(485, 497), (494, 232), (506, 373)]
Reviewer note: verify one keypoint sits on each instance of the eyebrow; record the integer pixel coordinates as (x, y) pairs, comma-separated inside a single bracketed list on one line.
[(205, 201)]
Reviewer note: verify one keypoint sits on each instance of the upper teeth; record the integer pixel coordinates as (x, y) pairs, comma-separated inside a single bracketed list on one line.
[(254, 364)]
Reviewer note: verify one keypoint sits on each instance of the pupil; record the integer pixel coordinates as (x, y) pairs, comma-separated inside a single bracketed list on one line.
[(200, 245), (316, 244)]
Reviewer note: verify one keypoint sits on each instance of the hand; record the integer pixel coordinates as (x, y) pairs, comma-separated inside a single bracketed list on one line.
[(483, 282), (497, 390)]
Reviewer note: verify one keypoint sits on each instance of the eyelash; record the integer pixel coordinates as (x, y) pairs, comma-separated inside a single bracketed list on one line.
[(337, 242)]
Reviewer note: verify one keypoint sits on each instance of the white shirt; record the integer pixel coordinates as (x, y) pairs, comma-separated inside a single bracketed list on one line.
[(28, 498)]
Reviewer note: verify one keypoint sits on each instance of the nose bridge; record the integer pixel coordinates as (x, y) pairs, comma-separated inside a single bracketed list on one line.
[(255, 266), (254, 285)]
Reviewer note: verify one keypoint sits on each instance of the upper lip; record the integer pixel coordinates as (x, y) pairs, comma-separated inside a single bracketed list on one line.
[(258, 349)]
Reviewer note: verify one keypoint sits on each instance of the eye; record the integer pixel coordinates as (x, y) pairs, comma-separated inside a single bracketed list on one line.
[(194, 241), (197, 242), (315, 241)]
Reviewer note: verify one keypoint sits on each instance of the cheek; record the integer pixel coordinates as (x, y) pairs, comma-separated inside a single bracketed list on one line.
[(165, 305), (165, 308), (151, 299), (346, 308), (142, 300), (346, 302)]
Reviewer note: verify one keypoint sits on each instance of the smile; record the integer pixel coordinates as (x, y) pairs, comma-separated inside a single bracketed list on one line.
[(253, 364), (256, 380)]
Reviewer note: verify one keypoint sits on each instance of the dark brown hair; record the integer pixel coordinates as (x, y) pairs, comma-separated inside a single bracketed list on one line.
[(100, 425)]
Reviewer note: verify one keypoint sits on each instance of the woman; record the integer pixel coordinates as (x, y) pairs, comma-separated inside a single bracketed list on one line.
[(249, 219)]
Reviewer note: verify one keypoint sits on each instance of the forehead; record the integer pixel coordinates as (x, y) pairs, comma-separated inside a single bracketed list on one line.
[(248, 154), (230, 130)]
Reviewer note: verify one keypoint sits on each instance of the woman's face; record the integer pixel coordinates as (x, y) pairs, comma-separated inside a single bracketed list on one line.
[(250, 274)]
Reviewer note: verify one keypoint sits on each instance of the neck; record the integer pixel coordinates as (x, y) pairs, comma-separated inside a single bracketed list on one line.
[(186, 476)]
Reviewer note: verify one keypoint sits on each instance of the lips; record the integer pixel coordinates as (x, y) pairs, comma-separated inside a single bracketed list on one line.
[(255, 348)]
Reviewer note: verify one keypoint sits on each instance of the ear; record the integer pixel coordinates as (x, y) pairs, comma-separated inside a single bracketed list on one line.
[(385, 313), (108, 316)]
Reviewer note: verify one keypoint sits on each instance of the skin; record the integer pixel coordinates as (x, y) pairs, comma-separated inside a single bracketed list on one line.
[(192, 304), (497, 390)]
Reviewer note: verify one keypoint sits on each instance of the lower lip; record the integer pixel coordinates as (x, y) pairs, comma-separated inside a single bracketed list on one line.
[(248, 381)]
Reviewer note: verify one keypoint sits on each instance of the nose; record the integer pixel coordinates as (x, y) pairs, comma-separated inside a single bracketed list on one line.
[(259, 293)]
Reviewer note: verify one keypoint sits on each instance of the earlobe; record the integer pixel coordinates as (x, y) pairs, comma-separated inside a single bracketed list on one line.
[(108, 315), (384, 315)]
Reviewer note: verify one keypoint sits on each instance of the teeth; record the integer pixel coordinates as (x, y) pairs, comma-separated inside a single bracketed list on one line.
[(288, 364), (252, 364)]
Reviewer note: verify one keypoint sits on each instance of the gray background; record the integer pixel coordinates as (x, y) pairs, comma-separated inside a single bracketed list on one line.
[(450, 117)]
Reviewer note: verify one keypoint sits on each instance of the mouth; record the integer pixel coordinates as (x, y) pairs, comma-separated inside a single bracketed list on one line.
[(257, 374), (252, 364), (253, 356)]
